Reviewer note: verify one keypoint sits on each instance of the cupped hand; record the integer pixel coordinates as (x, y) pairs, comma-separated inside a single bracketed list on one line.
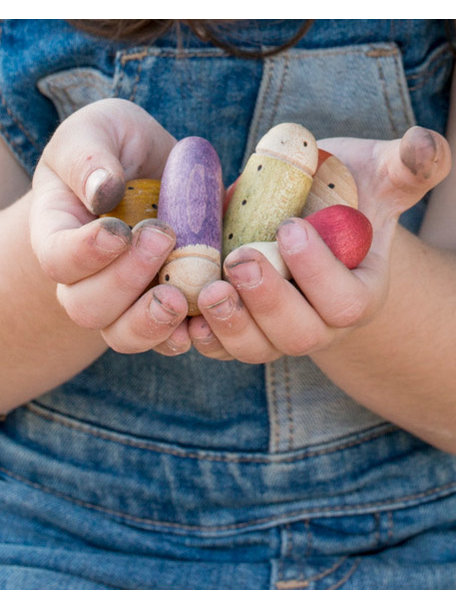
[(256, 316), (103, 269)]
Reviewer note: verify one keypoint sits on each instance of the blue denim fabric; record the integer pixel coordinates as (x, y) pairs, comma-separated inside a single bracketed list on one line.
[(153, 472)]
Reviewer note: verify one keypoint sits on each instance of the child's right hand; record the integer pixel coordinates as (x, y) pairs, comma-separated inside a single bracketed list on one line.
[(101, 267)]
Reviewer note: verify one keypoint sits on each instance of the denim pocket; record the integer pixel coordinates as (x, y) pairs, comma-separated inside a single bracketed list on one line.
[(356, 91), (70, 90)]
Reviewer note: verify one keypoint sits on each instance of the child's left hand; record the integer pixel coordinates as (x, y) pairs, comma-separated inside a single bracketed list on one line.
[(256, 316)]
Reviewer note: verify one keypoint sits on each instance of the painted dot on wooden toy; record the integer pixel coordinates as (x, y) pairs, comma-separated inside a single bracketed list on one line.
[(275, 182), (333, 184), (140, 202)]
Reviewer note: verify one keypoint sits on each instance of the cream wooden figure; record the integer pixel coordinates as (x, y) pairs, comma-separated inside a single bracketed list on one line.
[(333, 184), (273, 186)]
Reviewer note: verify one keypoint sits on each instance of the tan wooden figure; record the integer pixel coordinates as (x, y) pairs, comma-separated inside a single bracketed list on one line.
[(140, 202), (333, 184), (273, 186)]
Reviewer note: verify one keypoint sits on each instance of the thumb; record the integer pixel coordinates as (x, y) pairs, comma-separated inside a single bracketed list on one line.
[(393, 175), (98, 148)]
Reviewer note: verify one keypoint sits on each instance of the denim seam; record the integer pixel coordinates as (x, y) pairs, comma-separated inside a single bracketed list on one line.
[(289, 406), (390, 525), (304, 583), (136, 81), (283, 79), (141, 55), (19, 125), (107, 435), (422, 73), (269, 67), (377, 536), (274, 413), (380, 50), (399, 71), (381, 76), (425, 77), (347, 576), (355, 509)]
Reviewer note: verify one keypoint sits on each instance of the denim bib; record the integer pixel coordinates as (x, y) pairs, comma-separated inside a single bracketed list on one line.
[(191, 446)]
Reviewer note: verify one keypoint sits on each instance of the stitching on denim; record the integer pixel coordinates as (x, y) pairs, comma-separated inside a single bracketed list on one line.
[(274, 413), (18, 123), (390, 525), (287, 380), (302, 584), (381, 75), (136, 81), (425, 77), (283, 79), (226, 527), (377, 536), (269, 65), (281, 459), (398, 69), (421, 73), (345, 578)]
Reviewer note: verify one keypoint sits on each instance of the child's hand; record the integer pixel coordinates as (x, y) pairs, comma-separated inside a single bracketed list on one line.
[(258, 316), (103, 269)]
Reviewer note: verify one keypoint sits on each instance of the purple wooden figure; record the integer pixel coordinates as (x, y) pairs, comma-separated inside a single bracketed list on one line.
[(191, 197)]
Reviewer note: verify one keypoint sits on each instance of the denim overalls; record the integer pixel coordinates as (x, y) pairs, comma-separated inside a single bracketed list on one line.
[(151, 472)]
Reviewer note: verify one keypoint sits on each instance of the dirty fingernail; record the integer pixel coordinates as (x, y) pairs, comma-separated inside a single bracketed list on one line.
[(246, 273)]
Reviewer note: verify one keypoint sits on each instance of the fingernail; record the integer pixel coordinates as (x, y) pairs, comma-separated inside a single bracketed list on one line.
[(222, 309), (113, 235), (103, 191), (160, 313), (206, 335), (156, 242), (293, 237), (245, 274)]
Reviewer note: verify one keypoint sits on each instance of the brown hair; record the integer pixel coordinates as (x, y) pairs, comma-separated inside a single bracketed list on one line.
[(148, 30)]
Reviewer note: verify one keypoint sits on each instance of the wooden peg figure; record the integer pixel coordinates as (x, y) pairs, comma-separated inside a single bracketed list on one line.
[(273, 186), (140, 202), (333, 184), (191, 198)]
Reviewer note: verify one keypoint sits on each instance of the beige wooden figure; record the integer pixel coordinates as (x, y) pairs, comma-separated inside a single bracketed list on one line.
[(140, 202), (333, 184), (273, 186)]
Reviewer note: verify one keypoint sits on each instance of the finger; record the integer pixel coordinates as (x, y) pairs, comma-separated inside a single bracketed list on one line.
[(394, 175), (149, 322), (111, 141), (68, 256), (205, 341), (342, 298), (99, 300), (233, 325), (177, 344), (273, 302)]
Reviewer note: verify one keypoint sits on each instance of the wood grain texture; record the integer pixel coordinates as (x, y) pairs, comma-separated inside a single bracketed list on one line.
[(191, 197), (333, 184), (140, 202), (273, 186)]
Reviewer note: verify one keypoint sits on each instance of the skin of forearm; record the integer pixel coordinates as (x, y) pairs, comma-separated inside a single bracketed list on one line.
[(41, 346), (401, 365)]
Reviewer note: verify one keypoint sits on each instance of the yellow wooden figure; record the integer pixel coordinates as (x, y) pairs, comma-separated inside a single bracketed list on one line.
[(273, 186), (140, 202), (333, 184)]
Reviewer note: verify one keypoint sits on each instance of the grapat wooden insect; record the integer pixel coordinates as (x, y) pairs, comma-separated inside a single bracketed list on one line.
[(273, 186), (347, 232), (333, 184), (191, 197), (140, 202)]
